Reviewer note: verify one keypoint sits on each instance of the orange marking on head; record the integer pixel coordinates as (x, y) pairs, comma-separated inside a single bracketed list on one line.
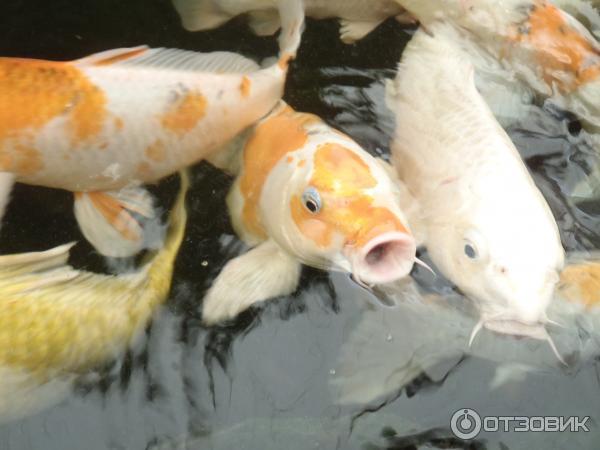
[(580, 283), (245, 86), (115, 214), (183, 116), (33, 92), (273, 138), (121, 57), (301, 163), (289, 159), (342, 179), (567, 58), (156, 152)]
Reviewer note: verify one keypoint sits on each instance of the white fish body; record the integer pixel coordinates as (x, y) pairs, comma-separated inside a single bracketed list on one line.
[(486, 225), (358, 17)]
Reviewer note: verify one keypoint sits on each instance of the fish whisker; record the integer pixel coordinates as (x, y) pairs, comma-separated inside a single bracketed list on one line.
[(475, 331), (550, 341), (425, 265)]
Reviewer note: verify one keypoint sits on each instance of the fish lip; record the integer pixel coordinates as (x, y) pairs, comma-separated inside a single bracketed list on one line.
[(384, 259)]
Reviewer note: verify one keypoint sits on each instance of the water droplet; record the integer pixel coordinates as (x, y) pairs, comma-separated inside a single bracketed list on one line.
[(332, 372), (204, 263), (389, 338)]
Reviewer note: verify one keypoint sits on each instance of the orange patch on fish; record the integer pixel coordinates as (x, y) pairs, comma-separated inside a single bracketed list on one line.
[(273, 138), (144, 170), (33, 92), (284, 61), (580, 283), (119, 123), (156, 152), (342, 178), (21, 160), (245, 86), (183, 116), (568, 59)]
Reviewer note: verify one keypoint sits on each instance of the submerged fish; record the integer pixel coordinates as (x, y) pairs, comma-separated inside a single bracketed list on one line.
[(57, 322), (430, 335), (307, 193), (101, 125), (485, 224), (357, 17)]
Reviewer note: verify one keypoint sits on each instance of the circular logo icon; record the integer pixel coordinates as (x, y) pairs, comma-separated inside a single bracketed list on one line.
[(465, 424)]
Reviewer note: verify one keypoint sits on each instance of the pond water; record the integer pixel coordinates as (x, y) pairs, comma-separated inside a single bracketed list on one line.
[(262, 382)]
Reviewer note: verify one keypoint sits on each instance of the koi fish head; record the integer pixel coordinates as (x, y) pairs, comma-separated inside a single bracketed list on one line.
[(506, 256), (329, 203)]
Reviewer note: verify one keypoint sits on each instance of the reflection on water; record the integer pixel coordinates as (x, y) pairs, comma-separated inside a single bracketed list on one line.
[(262, 382)]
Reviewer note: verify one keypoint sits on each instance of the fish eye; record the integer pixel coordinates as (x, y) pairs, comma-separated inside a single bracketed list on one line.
[(312, 200), (474, 245), (470, 251)]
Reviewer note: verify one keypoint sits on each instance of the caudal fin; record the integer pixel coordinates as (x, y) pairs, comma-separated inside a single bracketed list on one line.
[(291, 13)]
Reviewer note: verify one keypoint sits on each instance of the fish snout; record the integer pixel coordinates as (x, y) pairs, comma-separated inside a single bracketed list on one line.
[(384, 259)]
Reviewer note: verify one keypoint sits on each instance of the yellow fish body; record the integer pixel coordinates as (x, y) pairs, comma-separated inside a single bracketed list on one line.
[(57, 322)]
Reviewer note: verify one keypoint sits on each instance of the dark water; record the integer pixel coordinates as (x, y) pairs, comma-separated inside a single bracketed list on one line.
[(262, 382)]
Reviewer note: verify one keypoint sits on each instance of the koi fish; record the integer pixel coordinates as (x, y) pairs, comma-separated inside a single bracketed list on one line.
[(57, 322), (101, 125), (486, 225), (308, 194), (357, 17), (429, 334), (527, 51)]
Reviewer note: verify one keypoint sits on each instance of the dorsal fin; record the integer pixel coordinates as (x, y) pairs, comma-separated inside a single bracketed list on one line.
[(175, 59)]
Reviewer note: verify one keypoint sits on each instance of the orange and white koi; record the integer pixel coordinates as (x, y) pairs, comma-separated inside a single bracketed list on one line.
[(307, 193), (101, 125), (357, 17), (540, 47)]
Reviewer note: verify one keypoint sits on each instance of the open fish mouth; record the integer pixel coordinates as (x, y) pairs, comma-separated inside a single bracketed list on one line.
[(385, 259)]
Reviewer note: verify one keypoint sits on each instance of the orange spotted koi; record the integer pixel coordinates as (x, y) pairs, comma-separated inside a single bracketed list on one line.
[(104, 124), (306, 193)]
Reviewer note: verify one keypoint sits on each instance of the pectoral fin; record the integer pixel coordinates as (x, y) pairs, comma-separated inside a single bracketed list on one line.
[(108, 219), (258, 275), (6, 183), (198, 15), (351, 31)]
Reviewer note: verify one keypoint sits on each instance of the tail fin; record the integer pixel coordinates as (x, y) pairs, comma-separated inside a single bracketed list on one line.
[(177, 223), (292, 25)]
